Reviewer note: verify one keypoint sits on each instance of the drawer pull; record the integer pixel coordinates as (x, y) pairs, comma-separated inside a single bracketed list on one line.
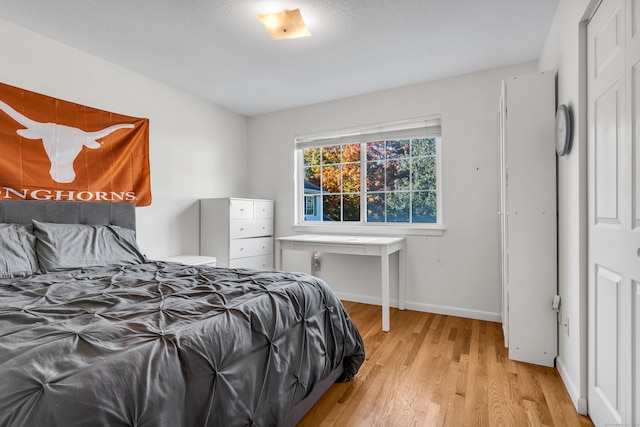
[(242, 229)]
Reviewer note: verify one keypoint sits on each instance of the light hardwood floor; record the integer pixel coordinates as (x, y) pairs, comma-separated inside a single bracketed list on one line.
[(435, 370)]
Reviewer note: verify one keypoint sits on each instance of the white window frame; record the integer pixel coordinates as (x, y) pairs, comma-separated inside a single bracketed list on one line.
[(392, 130)]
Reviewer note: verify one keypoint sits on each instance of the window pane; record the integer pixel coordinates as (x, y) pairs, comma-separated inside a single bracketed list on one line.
[(423, 147), (331, 155), (312, 179), (423, 173), (424, 207), (398, 207), (351, 153), (311, 208), (397, 175), (375, 207), (375, 150), (397, 149), (375, 176), (331, 208), (351, 178), (331, 179), (351, 207), (312, 156)]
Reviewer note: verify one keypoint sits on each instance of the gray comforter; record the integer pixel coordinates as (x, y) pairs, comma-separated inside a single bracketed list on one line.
[(163, 344)]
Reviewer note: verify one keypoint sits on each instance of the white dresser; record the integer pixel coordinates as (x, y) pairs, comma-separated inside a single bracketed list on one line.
[(238, 232)]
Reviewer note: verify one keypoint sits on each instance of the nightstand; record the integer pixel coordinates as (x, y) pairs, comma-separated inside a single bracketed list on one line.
[(191, 260)]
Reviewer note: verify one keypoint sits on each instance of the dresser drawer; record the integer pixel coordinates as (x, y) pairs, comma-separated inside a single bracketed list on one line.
[(240, 209), (242, 248), (258, 262), (263, 209), (242, 228)]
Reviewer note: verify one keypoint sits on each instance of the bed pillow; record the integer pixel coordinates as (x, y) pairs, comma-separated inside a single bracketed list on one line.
[(17, 251), (66, 246)]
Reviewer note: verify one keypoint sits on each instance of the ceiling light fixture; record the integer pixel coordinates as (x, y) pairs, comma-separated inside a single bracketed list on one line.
[(284, 25)]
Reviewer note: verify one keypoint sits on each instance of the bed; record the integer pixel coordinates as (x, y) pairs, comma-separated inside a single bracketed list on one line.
[(93, 333)]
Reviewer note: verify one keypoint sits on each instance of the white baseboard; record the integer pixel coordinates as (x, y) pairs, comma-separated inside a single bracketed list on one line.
[(427, 308), (364, 299), (579, 401)]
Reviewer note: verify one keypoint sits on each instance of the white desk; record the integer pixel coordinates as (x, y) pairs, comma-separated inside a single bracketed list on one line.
[(354, 245)]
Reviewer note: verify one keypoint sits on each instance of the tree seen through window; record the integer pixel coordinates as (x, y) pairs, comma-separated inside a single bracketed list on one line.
[(388, 181)]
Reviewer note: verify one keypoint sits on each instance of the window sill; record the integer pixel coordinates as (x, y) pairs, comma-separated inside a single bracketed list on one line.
[(387, 229)]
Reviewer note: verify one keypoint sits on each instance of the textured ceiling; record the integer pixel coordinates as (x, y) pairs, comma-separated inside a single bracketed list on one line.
[(218, 50)]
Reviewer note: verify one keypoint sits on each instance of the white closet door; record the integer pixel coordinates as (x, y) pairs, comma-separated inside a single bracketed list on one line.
[(632, 69), (614, 214)]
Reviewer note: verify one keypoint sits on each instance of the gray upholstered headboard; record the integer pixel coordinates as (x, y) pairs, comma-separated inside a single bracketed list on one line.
[(92, 213)]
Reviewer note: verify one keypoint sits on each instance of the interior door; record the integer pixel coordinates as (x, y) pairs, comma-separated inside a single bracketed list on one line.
[(633, 249), (614, 213)]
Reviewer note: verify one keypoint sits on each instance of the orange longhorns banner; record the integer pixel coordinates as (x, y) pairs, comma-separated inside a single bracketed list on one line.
[(56, 150)]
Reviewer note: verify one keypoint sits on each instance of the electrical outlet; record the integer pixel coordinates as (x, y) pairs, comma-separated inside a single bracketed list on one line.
[(317, 265), (566, 325)]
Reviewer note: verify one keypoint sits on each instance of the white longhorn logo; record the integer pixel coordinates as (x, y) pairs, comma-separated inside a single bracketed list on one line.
[(62, 143)]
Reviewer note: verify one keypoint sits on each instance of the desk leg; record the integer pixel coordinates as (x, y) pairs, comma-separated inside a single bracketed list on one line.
[(401, 277), (278, 256), (384, 260)]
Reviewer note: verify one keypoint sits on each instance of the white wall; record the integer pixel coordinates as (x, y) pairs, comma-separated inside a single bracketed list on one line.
[(196, 149), (456, 273), (564, 50)]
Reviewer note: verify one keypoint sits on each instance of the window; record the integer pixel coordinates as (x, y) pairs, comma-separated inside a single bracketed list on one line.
[(385, 174)]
